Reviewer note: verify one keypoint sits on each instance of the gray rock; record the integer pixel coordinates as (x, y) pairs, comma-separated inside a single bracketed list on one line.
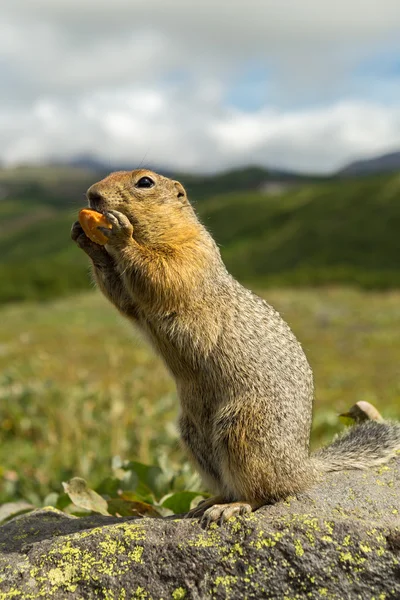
[(340, 540)]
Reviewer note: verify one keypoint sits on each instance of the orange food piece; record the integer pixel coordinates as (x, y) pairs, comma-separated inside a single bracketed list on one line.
[(90, 220)]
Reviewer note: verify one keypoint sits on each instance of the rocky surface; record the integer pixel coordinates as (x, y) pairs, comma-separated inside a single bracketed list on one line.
[(340, 540)]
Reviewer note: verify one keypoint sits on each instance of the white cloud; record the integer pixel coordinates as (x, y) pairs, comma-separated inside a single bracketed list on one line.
[(171, 132), (128, 78)]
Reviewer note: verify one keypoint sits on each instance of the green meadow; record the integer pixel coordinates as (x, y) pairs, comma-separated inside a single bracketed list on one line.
[(79, 386), (81, 392)]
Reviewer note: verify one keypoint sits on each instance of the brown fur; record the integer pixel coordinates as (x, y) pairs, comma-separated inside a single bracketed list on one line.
[(244, 383)]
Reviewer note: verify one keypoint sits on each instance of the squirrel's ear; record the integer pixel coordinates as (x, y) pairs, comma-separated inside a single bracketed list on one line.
[(180, 190)]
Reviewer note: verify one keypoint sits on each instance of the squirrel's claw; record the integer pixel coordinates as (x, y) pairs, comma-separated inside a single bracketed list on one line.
[(219, 513), (121, 230), (76, 231)]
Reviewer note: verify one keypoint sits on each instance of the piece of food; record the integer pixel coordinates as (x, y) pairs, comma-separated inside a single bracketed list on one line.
[(90, 221)]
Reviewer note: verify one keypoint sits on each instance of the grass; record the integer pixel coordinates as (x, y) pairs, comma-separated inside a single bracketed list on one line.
[(79, 386)]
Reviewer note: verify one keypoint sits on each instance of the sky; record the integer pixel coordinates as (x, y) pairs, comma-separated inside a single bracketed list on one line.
[(200, 86)]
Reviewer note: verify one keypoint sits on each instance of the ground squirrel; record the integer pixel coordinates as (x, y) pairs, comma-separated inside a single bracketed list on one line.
[(244, 383)]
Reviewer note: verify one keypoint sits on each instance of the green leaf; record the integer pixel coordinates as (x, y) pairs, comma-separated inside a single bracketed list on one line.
[(127, 508), (116, 463), (142, 493), (51, 499), (84, 497), (109, 487), (63, 501), (129, 481), (150, 476), (181, 502)]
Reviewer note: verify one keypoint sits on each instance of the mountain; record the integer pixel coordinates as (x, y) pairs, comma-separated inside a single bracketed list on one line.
[(59, 181), (387, 163), (199, 186), (96, 165)]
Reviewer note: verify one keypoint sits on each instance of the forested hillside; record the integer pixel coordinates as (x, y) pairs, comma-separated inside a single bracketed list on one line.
[(311, 232)]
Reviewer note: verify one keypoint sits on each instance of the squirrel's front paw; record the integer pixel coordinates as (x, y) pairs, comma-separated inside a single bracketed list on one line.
[(97, 253), (121, 231)]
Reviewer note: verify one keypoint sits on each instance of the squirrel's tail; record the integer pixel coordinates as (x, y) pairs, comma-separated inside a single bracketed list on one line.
[(366, 445)]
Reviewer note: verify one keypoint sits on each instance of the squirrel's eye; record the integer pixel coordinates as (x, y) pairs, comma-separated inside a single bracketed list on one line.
[(144, 182)]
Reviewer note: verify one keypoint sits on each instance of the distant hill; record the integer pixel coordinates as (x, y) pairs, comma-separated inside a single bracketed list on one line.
[(199, 186), (387, 163), (341, 231), (72, 179), (96, 165)]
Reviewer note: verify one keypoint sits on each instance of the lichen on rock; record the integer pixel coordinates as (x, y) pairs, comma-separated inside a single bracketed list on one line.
[(339, 540)]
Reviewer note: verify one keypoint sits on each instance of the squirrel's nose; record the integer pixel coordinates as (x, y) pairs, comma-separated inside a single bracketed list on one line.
[(95, 197)]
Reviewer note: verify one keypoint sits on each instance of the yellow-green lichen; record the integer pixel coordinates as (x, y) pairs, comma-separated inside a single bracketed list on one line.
[(74, 564), (234, 551), (346, 540), (225, 582), (141, 594), (136, 554), (111, 547), (179, 594), (298, 548), (329, 526), (12, 593), (206, 539), (266, 542)]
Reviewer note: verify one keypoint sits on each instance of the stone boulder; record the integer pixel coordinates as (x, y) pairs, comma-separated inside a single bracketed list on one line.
[(340, 540)]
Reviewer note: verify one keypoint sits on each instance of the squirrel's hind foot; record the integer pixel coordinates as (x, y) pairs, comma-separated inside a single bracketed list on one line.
[(219, 513), (210, 511)]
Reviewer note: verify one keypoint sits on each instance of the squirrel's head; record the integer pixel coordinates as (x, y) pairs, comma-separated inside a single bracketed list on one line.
[(156, 206)]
